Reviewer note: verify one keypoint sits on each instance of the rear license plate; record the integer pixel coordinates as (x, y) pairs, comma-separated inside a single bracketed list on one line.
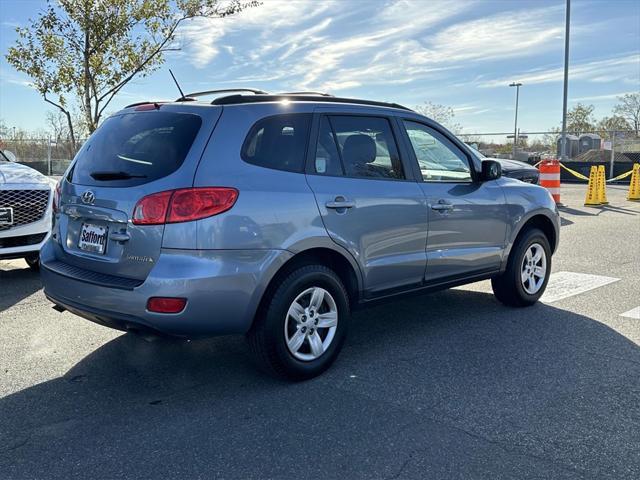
[(93, 238), (6, 216)]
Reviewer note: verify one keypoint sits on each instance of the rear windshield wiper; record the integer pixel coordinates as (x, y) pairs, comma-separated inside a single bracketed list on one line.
[(114, 176)]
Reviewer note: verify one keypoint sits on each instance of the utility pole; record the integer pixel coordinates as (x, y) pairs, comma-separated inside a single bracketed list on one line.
[(563, 143), (613, 153), (515, 126), (49, 155)]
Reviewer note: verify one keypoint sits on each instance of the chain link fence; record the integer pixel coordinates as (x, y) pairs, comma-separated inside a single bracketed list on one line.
[(43, 154), (616, 150)]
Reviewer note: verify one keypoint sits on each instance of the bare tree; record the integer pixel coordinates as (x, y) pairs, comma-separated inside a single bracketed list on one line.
[(629, 109), (440, 113), (58, 126)]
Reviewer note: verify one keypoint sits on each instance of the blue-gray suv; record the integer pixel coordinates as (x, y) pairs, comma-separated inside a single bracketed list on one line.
[(275, 215)]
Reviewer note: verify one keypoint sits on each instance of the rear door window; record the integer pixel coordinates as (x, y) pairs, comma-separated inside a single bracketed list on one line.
[(278, 142), (136, 148)]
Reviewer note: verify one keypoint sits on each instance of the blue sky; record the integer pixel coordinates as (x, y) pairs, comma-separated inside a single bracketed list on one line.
[(456, 52)]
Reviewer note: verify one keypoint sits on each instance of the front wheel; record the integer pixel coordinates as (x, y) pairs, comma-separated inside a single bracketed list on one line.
[(527, 274), (301, 328)]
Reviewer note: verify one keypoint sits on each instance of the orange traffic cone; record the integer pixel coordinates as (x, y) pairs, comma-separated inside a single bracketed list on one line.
[(602, 186), (592, 188), (634, 185)]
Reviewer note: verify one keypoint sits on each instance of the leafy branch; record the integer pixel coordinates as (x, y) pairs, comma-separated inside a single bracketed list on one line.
[(88, 51)]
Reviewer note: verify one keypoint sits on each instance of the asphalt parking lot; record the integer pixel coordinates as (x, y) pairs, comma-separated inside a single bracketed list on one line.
[(447, 385)]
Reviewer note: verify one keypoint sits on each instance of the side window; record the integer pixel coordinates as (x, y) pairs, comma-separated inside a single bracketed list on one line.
[(364, 146), (327, 157), (278, 142), (439, 160)]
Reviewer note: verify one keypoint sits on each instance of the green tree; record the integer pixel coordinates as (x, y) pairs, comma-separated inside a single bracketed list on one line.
[(615, 123), (629, 109), (440, 113), (91, 49), (580, 119)]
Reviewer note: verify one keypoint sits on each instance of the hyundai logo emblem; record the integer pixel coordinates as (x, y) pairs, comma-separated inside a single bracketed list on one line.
[(88, 197)]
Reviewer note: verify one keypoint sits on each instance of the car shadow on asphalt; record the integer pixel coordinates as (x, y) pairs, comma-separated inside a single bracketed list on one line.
[(17, 284), (450, 382)]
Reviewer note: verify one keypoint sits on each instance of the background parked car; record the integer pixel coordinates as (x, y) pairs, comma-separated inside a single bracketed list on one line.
[(25, 210), (513, 168)]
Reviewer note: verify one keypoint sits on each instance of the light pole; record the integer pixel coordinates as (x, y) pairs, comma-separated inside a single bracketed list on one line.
[(515, 127), (563, 145)]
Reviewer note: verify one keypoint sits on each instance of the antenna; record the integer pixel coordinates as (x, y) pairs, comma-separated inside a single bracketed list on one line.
[(177, 85)]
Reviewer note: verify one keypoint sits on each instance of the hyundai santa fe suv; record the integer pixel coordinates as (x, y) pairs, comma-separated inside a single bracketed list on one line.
[(275, 215)]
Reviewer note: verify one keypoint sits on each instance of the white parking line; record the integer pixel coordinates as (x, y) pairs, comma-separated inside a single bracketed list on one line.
[(561, 285), (633, 313), (567, 284)]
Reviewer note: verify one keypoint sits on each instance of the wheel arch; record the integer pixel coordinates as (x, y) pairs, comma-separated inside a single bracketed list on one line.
[(543, 223), (340, 263), (540, 221)]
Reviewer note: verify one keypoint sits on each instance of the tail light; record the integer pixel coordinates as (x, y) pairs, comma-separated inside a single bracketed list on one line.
[(183, 205), (152, 209), (166, 304)]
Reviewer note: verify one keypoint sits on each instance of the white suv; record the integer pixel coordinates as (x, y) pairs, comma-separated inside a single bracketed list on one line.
[(26, 198)]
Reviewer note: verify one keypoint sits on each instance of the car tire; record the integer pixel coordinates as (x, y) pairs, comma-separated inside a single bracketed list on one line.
[(33, 261), (520, 285), (279, 325)]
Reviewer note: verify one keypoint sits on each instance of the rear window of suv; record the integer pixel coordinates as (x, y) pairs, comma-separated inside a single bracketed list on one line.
[(136, 148)]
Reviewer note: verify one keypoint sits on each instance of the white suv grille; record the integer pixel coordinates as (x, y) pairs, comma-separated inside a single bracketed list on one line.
[(28, 205)]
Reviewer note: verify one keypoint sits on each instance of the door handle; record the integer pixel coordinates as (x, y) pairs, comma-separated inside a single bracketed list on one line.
[(442, 206), (340, 203), (119, 237)]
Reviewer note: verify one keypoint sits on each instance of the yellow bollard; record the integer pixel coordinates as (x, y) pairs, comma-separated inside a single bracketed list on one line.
[(602, 186), (592, 188), (634, 185)]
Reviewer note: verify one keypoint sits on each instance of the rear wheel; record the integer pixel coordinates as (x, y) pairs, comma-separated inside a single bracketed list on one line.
[(527, 274), (33, 261), (301, 328)]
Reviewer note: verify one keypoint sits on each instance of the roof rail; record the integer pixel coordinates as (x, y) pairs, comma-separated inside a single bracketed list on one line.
[(302, 97), (322, 94), (189, 97)]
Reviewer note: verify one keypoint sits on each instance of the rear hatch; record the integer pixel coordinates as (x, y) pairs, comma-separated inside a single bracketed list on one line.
[(139, 151)]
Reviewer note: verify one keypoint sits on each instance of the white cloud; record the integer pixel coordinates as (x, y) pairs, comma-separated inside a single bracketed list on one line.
[(11, 78), (199, 38), (336, 45), (607, 70), (502, 35), (598, 98)]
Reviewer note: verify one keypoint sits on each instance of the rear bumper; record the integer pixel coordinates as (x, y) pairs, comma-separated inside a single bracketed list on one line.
[(222, 287)]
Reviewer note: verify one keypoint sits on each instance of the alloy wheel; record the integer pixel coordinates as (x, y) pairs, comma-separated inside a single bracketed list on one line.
[(534, 269), (310, 324)]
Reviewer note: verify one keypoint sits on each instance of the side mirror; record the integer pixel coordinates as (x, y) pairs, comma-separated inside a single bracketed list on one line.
[(491, 170)]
